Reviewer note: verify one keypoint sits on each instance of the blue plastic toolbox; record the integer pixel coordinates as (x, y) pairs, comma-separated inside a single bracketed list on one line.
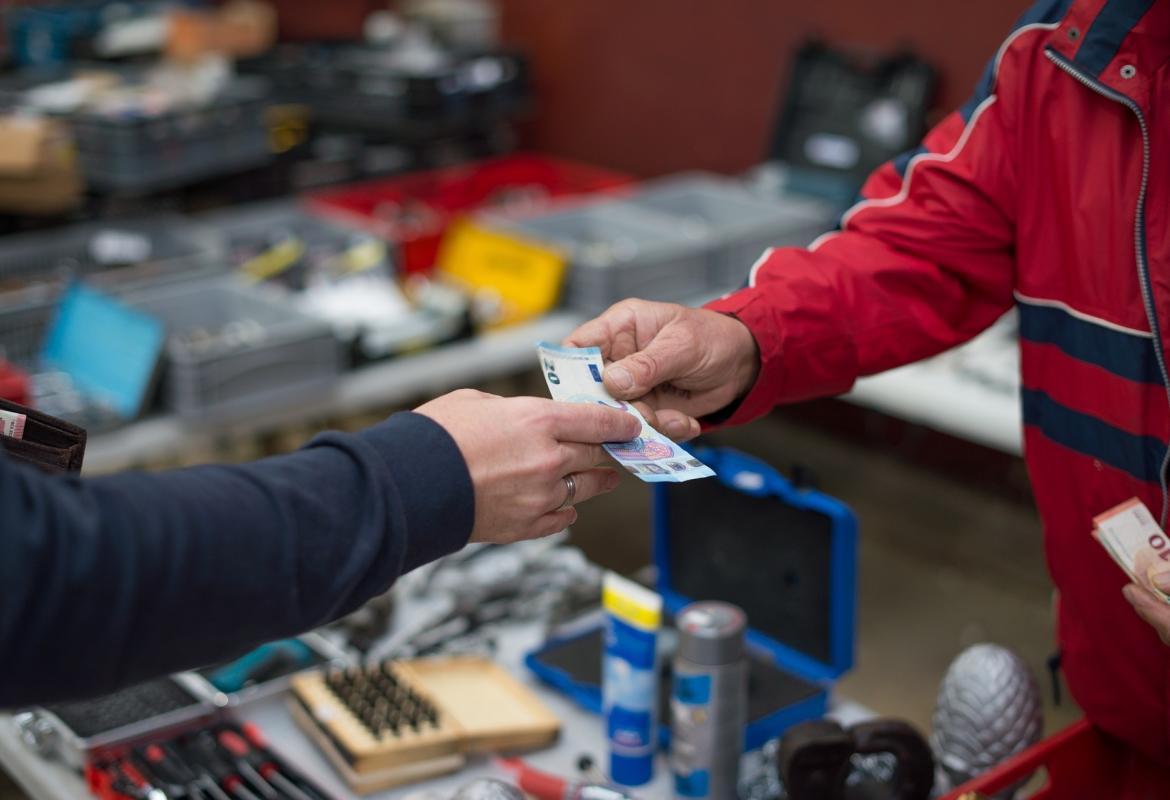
[(784, 554)]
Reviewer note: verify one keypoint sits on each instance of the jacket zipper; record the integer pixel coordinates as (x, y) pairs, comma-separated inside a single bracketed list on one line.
[(1139, 234)]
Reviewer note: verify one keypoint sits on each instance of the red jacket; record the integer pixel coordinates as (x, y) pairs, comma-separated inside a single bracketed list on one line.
[(1049, 191)]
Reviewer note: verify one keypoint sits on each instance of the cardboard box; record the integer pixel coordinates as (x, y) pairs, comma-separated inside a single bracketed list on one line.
[(240, 29), (38, 167)]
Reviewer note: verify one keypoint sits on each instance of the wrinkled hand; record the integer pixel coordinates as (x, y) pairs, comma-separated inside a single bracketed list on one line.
[(519, 450), (1145, 596), (681, 363)]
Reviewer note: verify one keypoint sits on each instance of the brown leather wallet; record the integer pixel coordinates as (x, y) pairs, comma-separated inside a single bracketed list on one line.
[(48, 443)]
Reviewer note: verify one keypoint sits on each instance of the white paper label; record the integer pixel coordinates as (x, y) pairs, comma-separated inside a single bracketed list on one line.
[(12, 424)]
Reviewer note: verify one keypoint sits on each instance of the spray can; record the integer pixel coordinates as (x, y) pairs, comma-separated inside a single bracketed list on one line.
[(708, 704)]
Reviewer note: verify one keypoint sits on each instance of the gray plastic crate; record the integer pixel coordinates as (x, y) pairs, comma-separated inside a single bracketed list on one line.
[(232, 348), (281, 212), (24, 320), (741, 224), (35, 267), (246, 230), (617, 250), (139, 154), (105, 253), (261, 224)]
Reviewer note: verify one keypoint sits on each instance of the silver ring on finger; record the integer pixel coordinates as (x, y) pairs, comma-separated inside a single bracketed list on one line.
[(570, 492)]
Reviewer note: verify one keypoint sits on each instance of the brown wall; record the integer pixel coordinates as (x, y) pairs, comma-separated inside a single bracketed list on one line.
[(655, 86), (314, 20)]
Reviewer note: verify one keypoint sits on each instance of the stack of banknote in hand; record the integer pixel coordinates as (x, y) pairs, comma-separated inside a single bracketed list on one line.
[(1127, 530)]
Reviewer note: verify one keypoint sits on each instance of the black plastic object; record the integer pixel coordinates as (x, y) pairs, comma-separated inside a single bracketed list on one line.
[(769, 687), (356, 86), (815, 759), (844, 113), (786, 597)]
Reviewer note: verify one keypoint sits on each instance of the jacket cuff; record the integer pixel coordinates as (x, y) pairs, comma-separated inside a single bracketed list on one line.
[(434, 486), (797, 362)]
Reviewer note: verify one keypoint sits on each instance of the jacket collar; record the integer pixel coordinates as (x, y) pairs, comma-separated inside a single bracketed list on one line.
[(1120, 43)]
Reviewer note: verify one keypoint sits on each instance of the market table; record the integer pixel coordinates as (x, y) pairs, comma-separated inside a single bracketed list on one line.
[(931, 393), (581, 733)]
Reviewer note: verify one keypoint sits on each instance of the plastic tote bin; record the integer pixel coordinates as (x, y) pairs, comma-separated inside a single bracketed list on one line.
[(617, 250), (116, 257), (24, 321), (105, 253), (741, 224), (369, 88), (413, 211), (245, 232), (235, 348), (1082, 764), (326, 263), (136, 153)]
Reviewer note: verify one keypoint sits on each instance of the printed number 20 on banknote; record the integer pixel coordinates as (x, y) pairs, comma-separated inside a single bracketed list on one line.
[(573, 375)]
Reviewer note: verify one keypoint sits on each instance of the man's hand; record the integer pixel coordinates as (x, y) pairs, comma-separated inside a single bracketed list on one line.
[(681, 362), (519, 451), (1145, 596)]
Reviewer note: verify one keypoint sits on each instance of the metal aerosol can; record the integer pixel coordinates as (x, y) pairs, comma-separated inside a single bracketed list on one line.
[(708, 702)]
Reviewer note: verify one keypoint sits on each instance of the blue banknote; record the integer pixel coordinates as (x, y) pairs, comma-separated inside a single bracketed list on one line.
[(573, 375)]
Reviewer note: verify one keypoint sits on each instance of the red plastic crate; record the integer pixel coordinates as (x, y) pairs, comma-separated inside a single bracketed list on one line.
[(413, 211), (1082, 764), (13, 383)]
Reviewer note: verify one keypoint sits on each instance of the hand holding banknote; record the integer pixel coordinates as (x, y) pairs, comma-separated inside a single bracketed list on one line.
[(574, 376), (1136, 542), (1147, 594), (530, 459), (683, 363)]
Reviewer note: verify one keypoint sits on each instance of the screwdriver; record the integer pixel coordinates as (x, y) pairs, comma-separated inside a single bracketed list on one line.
[(123, 784), (145, 788), (204, 748), (269, 769), (545, 786), (208, 784), (168, 770), (234, 744)]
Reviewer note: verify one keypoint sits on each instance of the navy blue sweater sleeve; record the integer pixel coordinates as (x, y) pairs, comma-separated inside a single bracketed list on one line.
[(111, 580)]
